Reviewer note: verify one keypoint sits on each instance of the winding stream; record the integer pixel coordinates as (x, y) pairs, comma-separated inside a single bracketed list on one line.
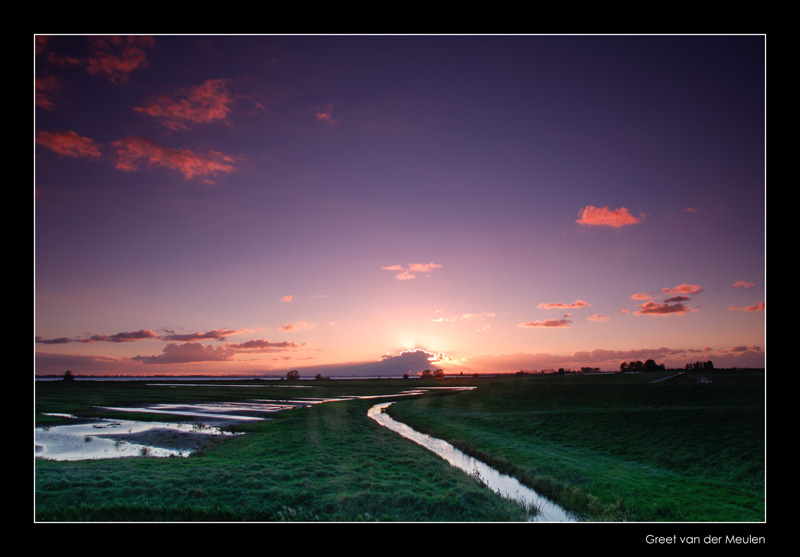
[(503, 484)]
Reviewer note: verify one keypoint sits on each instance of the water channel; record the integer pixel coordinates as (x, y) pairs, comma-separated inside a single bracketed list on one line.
[(503, 484)]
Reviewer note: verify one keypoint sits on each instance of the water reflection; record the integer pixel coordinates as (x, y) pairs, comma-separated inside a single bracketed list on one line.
[(503, 484), (120, 438)]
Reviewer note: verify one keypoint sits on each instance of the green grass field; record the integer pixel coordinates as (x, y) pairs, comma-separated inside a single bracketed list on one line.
[(616, 448), (610, 448)]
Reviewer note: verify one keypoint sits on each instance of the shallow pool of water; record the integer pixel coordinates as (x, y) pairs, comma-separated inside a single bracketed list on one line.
[(503, 484), (120, 438)]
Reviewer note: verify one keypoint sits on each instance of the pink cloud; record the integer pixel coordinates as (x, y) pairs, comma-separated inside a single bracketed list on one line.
[(202, 104), (69, 144), (603, 216), (325, 115), (598, 317), (678, 299), (575, 304), (741, 349), (743, 284), (143, 334), (216, 334), (262, 345), (683, 289), (288, 298), (294, 327), (48, 89), (187, 353), (761, 306), (654, 308), (641, 296), (410, 272), (464, 316), (133, 153), (547, 323), (122, 337), (194, 352), (115, 58)]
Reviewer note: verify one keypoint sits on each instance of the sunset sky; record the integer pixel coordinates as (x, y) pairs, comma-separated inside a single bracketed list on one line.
[(338, 204)]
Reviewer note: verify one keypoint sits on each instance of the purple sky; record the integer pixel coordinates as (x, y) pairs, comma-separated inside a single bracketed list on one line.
[(249, 204)]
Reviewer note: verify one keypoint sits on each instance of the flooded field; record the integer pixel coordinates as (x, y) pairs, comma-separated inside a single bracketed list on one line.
[(186, 427), (120, 438)]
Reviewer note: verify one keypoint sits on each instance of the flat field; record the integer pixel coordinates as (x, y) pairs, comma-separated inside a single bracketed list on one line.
[(617, 448), (611, 448)]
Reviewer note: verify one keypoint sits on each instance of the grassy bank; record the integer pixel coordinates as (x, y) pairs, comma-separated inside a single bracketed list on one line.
[(616, 447), (327, 462)]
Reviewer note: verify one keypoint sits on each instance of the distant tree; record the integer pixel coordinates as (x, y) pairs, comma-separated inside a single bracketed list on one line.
[(405, 375), (438, 374), (68, 376), (293, 374), (426, 374), (649, 365), (707, 366)]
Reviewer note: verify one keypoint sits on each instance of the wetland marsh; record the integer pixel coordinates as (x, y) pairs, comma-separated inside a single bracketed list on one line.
[(613, 448)]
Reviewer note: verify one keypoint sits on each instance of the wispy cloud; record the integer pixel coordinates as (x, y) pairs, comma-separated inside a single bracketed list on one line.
[(739, 350), (206, 103), (598, 317), (557, 305), (547, 323), (664, 308), (761, 306), (287, 298), (115, 58), (48, 91), (326, 115), (69, 144), (262, 345), (412, 270), (465, 317), (683, 289), (143, 334), (603, 216), (216, 334), (295, 327), (743, 284), (136, 153)]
